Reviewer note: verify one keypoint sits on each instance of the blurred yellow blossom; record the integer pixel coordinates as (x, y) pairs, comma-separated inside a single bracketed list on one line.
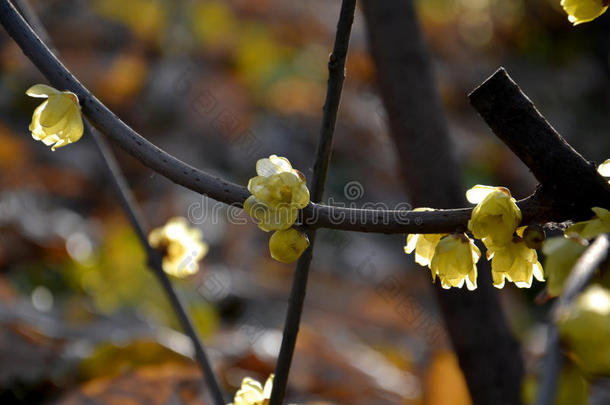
[(594, 227), (252, 392), (581, 11), (287, 245), (278, 192), (604, 168), (560, 254), (423, 244), (496, 216), (514, 262), (584, 328), (455, 261), (57, 121), (182, 247)]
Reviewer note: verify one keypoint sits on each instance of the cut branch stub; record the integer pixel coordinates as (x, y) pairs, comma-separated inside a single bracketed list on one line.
[(567, 179)]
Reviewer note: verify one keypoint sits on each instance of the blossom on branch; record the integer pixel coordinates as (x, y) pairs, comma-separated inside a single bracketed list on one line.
[(496, 216), (594, 227), (182, 247), (560, 255), (423, 244), (455, 261), (57, 121), (278, 193), (514, 262), (287, 245)]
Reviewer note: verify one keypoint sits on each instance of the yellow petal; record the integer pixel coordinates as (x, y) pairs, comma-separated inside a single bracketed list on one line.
[(273, 165), (604, 168), (581, 11), (478, 193), (41, 91), (58, 106)]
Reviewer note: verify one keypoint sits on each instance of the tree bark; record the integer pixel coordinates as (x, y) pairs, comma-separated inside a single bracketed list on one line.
[(487, 351)]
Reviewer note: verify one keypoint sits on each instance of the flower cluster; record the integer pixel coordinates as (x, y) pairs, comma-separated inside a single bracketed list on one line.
[(182, 247), (57, 121), (494, 221), (581, 11), (278, 193)]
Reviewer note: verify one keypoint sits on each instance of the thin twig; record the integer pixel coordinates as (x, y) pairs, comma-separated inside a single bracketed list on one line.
[(130, 207), (154, 260), (315, 215), (582, 273), (336, 70)]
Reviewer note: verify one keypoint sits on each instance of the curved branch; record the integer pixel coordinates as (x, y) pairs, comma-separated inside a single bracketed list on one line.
[(314, 215)]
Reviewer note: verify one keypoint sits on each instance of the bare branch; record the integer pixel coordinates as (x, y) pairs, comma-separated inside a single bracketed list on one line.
[(336, 70)]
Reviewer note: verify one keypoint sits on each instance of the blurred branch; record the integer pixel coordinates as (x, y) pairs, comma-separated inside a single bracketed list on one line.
[(336, 77), (486, 349), (315, 215), (130, 207), (579, 278)]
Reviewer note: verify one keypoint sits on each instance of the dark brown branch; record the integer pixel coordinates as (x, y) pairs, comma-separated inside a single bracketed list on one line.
[(566, 177), (336, 77)]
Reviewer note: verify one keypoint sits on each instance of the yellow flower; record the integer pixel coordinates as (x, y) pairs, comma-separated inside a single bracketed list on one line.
[(278, 192), (252, 392), (604, 168), (422, 244), (288, 245), (561, 253), (515, 262), (581, 11), (182, 247), (585, 329), (496, 216), (57, 121), (594, 227), (455, 261)]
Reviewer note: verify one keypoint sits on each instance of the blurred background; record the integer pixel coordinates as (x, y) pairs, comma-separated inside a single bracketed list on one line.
[(220, 84)]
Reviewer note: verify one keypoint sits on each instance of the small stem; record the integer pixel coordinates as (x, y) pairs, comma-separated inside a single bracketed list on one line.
[(336, 69), (154, 259), (129, 205), (579, 278)]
